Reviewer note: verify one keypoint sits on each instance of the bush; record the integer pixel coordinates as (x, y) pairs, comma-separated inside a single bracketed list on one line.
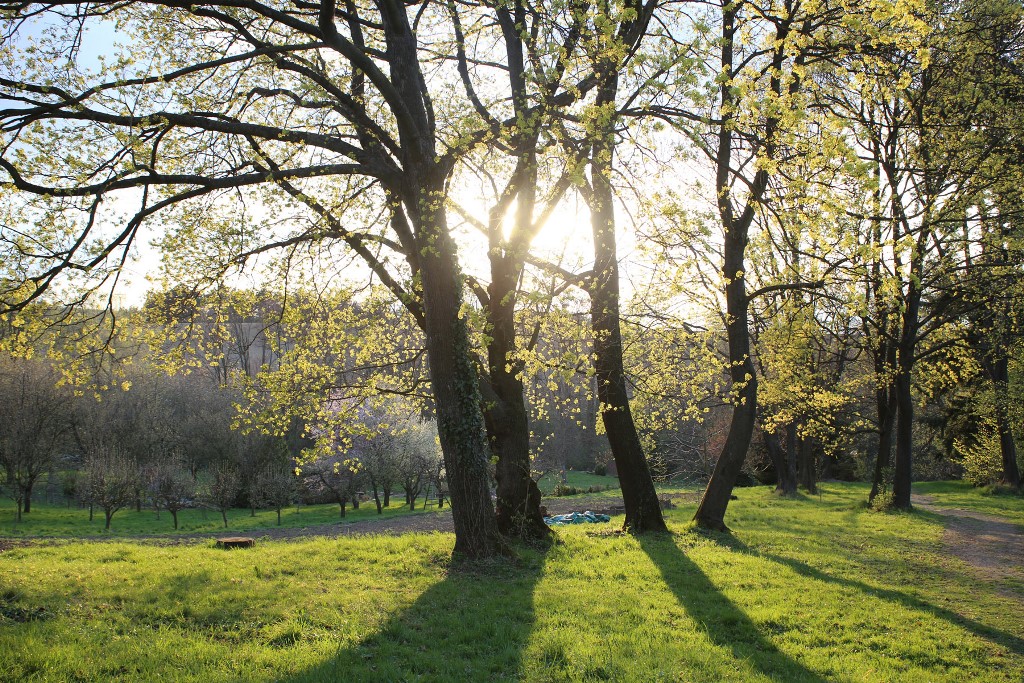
[(565, 490), (601, 470), (980, 457)]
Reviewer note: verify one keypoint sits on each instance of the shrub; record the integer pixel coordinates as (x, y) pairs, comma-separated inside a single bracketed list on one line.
[(565, 490), (980, 456), (601, 470)]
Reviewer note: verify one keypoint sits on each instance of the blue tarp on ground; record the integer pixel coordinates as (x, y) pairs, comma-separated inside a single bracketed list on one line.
[(577, 518)]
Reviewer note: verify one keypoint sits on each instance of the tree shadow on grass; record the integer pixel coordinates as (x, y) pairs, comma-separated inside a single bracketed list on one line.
[(723, 622), (994, 635), (473, 625), (989, 633)]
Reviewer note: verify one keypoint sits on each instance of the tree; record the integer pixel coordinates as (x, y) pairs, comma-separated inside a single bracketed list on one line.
[(740, 130), (172, 487), (303, 139), (111, 480), (379, 461), (34, 422), (275, 488), (222, 489), (931, 128), (416, 446), (335, 475)]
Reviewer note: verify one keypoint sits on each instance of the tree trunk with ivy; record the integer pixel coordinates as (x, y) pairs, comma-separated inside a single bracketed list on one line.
[(455, 384)]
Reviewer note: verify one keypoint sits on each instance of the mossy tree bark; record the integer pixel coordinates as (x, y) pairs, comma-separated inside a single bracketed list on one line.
[(456, 391)]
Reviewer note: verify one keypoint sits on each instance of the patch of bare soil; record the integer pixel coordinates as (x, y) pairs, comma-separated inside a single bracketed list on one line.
[(992, 546)]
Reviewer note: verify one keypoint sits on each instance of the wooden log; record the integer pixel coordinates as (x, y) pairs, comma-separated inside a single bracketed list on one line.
[(236, 542)]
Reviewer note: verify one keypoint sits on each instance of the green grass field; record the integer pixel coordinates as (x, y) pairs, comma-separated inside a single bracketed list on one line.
[(59, 520), (810, 589), (581, 480)]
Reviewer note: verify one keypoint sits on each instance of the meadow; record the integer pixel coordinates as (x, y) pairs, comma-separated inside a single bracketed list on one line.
[(73, 521), (807, 589)]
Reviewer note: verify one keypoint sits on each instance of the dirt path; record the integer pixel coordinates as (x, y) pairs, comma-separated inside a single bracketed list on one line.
[(992, 546)]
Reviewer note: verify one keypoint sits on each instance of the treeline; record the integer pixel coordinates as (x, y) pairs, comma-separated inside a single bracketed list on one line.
[(170, 442)]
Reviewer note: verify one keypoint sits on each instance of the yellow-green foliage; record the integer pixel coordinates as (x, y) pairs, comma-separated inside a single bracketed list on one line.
[(980, 456)]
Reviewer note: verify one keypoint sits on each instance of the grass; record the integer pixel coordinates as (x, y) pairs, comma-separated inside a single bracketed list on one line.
[(807, 589), (62, 521), (960, 494), (581, 480)]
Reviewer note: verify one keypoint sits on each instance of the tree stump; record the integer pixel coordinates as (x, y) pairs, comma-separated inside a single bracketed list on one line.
[(236, 542)]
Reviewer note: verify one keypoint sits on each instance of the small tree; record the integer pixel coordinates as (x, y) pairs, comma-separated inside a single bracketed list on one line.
[(334, 475), (172, 487), (111, 480), (273, 487), (222, 489), (417, 454), (380, 466)]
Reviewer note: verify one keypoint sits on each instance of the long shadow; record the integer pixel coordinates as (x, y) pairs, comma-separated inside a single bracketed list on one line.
[(723, 622), (978, 629), (473, 625)]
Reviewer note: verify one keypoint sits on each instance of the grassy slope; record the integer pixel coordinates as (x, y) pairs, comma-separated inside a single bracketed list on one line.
[(50, 520), (806, 590)]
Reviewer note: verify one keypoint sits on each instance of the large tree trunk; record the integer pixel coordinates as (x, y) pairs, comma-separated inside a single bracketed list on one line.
[(455, 385), (904, 443), (28, 499), (808, 465), (454, 379), (639, 497), (711, 511), (903, 466), (508, 427), (785, 476), (886, 407), (998, 371)]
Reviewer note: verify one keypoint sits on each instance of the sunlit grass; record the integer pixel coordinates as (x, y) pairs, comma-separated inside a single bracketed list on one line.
[(581, 480), (61, 520), (805, 590)]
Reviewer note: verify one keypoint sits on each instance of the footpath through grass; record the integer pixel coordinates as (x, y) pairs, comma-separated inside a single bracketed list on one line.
[(63, 521), (961, 495), (805, 590)]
